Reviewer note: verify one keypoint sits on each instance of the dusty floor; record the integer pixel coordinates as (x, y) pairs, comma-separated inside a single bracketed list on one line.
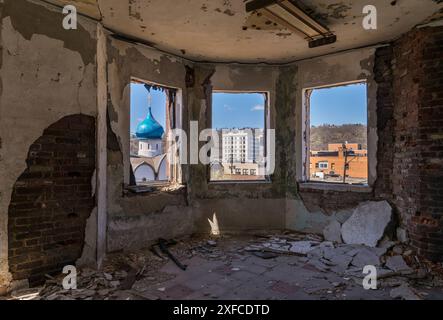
[(282, 266)]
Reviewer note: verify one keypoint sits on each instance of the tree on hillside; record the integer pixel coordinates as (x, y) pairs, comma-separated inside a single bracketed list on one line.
[(322, 135)]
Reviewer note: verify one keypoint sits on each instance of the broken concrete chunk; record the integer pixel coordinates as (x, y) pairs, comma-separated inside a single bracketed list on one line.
[(397, 264), (383, 273), (265, 255), (107, 276), (342, 261), (332, 232), (212, 243), (404, 292), (386, 244), (367, 224), (302, 247), (397, 250), (319, 265), (365, 257)]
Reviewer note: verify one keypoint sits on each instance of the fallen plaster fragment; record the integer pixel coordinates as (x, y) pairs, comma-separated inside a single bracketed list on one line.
[(290, 247), (302, 247), (367, 224), (404, 292), (366, 257), (341, 262), (332, 232), (397, 264), (265, 255), (386, 244)]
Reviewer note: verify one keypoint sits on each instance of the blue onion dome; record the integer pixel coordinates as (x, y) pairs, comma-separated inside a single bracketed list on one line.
[(149, 128)]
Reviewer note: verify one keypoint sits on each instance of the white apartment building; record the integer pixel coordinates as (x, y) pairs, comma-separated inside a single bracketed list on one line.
[(244, 145)]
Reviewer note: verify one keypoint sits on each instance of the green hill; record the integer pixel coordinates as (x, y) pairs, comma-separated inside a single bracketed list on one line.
[(324, 134)]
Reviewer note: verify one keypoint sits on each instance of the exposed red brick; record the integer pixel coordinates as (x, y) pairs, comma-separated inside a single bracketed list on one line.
[(418, 164), (52, 200)]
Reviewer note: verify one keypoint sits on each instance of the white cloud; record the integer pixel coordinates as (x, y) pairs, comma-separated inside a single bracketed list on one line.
[(258, 107), (227, 107)]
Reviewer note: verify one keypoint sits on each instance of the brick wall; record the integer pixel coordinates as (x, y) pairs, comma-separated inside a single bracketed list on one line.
[(383, 75), (418, 147), (406, 72), (329, 201), (409, 75), (52, 200)]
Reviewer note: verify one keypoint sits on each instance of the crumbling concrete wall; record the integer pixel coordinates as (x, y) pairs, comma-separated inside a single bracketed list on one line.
[(46, 74), (230, 202), (137, 214), (278, 203), (237, 207), (51, 73), (135, 220), (317, 205)]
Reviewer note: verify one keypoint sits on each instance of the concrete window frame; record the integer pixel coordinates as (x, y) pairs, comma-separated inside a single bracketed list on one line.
[(267, 125), (176, 172), (303, 179)]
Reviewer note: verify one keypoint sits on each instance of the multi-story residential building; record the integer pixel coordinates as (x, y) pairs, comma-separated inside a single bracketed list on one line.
[(244, 145), (241, 153)]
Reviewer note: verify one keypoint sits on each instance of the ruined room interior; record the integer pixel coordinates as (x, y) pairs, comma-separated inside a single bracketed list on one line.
[(90, 182)]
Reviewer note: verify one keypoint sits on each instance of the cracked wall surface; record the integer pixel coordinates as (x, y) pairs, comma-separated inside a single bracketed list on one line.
[(46, 73), (51, 73), (52, 200), (131, 218), (185, 28)]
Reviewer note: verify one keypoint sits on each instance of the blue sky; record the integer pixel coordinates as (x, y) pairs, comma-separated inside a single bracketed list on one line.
[(336, 105), (339, 105), (139, 105), (238, 110), (230, 110)]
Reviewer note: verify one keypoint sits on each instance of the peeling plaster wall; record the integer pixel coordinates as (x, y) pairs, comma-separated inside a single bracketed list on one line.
[(315, 208), (238, 207), (52, 73), (338, 69), (277, 204), (134, 221), (46, 73), (231, 202)]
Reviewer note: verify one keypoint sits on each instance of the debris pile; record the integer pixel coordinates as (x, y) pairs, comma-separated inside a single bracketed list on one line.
[(334, 267), (396, 264)]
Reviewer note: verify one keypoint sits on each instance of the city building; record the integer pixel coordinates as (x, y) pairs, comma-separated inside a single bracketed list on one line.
[(332, 164), (241, 154)]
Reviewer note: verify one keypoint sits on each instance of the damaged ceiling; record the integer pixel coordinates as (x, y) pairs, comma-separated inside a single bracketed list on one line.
[(222, 30)]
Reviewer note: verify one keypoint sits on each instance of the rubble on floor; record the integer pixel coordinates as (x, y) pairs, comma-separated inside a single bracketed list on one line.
[(287, 265)]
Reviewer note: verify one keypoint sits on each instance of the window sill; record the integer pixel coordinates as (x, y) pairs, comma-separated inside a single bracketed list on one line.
[(234, 182), (306, 186), (164, 187)]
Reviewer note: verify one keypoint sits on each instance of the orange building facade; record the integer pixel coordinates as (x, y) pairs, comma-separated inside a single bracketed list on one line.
[(332, 164)]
